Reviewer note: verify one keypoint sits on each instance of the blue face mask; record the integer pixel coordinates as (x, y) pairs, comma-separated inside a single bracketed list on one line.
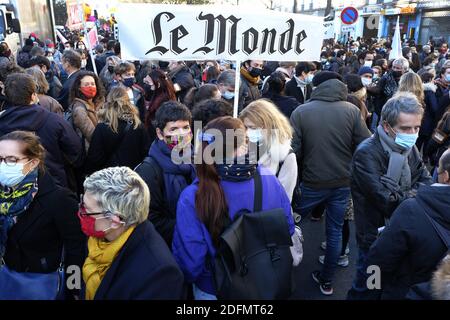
[(254, 135), (128, 82), (11, 175), (309, 78), (227, 95), (406, 140), (447, 77)]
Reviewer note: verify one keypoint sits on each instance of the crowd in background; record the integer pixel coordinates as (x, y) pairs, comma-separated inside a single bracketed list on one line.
[(354, 136)]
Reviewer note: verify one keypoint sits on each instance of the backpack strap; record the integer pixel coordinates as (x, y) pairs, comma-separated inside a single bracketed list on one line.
[(281, 163), (443, 233), (158, 170), (257, 204)]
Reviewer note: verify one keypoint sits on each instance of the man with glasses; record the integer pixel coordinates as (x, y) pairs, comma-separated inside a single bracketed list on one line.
[(409, 249)]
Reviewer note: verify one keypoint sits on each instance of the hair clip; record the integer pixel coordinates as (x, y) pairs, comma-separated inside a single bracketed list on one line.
[(206, 137)]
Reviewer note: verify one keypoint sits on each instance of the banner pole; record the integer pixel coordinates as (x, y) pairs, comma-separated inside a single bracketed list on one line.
[(86, 37), (236, 88)]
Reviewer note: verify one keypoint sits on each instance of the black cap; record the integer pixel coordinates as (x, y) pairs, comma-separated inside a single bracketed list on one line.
[(323, 76)]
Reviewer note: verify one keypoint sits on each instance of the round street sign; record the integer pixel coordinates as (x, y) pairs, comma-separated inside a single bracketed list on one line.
[(349, 15)]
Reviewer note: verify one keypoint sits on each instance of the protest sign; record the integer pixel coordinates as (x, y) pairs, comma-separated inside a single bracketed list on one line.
[(176, 32)]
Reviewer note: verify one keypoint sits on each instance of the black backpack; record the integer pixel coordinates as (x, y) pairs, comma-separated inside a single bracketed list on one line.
[(253, 260)]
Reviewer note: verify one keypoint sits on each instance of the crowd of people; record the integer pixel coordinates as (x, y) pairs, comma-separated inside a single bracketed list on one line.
[(88, 176)]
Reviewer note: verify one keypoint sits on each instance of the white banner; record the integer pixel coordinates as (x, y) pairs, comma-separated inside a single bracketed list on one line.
[(328, 29), (180, 32)]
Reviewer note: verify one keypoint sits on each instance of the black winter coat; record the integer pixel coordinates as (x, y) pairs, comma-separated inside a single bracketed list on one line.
[(35, 242), (293, 90), (409, 249), (248, 93), (160, 214), (372, 200), (57, 136), (144, 269), (285, 104), (110, 149)]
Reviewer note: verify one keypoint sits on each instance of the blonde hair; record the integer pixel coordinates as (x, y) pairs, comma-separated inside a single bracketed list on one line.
[(411, 82), (118, 106), (264, 114), (440, 281), (121, 191), (42, 86)]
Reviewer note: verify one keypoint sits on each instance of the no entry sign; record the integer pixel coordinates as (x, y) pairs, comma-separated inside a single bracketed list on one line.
[(349, 15)]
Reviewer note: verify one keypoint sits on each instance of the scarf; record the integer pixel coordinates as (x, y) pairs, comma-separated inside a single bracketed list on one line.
[(237, 172), (101, 256), (391, 85), (176, 176), (278, 153), (253, 80), (398, 169), (302, 85), (13, 203)]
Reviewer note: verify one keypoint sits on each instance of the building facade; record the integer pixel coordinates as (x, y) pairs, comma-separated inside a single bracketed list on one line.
[(418, 19)]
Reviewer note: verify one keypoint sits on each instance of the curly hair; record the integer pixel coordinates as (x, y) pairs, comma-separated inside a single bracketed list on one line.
[(76, 93)]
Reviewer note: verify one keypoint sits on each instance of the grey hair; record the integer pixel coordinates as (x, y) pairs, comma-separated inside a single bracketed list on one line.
[(405, 102), (227, 78), (121, 191), (403, 62)]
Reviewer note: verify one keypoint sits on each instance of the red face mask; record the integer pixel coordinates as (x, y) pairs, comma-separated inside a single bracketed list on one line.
[(89, 92), (88, 225)]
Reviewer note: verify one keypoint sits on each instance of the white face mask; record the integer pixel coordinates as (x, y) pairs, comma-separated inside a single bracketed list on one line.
[(368, 63), (227, 95), (11, 175), (366, 81), (254, 135)]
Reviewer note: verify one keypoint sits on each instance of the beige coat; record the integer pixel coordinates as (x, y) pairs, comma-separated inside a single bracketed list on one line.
[(50, 104), (84, 119)]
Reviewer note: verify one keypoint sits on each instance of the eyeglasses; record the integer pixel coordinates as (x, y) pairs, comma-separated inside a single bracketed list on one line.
[(83, 212), (11, 161)]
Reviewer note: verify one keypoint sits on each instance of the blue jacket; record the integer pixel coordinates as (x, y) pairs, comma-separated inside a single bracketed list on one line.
[(57, 136), (192, 242), (64, 94), (143, 270)]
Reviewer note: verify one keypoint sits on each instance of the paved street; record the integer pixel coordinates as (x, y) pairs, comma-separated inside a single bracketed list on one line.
[(307, 289)]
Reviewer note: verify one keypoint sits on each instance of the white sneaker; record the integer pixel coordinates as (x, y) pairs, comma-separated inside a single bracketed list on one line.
[(342, 261), (323, 246)]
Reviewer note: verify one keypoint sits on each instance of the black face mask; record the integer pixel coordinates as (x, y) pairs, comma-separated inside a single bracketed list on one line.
[(255, 72), (397, 74), (49, 75), (148, 91), (110, 69)]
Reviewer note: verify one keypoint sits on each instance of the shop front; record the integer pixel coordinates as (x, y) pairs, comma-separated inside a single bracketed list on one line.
[(435, 21), (409, 22)]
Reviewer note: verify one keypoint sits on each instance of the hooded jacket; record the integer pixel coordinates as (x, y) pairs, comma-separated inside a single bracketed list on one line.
[(57, 136), (409, 249), (327, 130)]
